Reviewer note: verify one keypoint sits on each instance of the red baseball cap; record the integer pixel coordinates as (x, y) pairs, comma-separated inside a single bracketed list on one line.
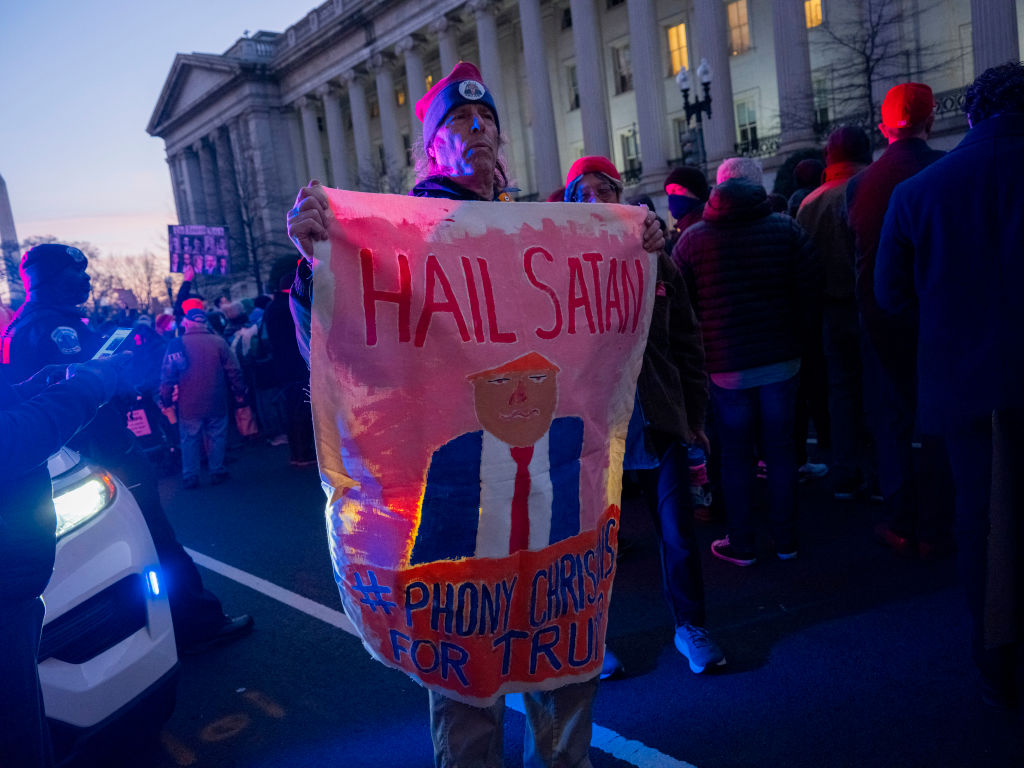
[(907, 104)]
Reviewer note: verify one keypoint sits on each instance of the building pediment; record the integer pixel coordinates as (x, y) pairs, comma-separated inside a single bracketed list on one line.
[(193, 79)]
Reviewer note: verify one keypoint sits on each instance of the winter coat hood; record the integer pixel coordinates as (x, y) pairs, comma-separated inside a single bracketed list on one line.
[(737, 201)]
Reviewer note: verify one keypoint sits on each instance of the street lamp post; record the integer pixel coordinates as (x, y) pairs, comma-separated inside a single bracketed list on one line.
[(698, 107)]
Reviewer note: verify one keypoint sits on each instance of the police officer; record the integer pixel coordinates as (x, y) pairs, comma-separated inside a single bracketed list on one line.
[(50, 328), (36, 419)]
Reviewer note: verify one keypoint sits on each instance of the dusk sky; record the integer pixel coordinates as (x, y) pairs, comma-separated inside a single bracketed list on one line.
[(80, 80)]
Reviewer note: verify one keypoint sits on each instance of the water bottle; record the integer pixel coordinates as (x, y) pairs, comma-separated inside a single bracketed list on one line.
[(698, 466), (700, 487)]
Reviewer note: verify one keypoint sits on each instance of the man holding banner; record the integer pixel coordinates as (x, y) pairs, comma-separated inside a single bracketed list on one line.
[(478, 561)]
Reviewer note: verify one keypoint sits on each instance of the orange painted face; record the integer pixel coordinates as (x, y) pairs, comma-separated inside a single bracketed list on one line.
[(516, 406)]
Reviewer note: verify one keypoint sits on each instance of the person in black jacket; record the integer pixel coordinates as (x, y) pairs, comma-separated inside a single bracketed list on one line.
[(49, 329), (755, 284), (292, 375), (668, 415), (36, 419), (917, 502), (687, 190)]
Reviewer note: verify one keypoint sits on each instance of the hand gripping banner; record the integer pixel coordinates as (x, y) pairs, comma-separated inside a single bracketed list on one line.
[(473, 367)]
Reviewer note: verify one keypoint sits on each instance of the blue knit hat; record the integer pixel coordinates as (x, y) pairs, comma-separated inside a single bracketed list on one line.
[(464, 85)]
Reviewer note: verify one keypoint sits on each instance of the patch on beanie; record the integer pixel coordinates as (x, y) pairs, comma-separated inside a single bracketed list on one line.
[(472, 90), (76, 255)]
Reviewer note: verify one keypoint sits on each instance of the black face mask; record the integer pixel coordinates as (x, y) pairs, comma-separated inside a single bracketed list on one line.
[(680, 205)]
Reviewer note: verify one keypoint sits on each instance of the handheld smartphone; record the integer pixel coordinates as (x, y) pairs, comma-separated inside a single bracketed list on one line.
[(115, 343)]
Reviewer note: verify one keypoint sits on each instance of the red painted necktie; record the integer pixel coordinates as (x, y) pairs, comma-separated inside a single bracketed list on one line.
[(519, 538)]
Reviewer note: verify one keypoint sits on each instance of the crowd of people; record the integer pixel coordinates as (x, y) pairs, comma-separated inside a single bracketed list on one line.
[(876, 301)]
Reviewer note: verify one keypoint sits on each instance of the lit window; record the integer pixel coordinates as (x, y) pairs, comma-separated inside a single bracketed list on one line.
[(677, 48), (746, 123), (430, 81), (574, 88), (812, 12), (739, 27), (622, 66), (399, 96)]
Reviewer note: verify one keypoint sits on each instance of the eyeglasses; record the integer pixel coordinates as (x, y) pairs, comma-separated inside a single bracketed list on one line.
[(604, 193)]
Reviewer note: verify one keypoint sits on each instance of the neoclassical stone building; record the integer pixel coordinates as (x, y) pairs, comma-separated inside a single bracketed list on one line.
[(332, 96)]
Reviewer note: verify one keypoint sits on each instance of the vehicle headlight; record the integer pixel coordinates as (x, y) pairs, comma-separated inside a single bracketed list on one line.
[(82, 502)]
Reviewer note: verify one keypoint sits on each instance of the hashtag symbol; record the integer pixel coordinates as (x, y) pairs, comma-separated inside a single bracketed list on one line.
[(376, 590)]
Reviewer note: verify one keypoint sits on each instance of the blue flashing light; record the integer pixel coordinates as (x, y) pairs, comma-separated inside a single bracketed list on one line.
[(152, 582)]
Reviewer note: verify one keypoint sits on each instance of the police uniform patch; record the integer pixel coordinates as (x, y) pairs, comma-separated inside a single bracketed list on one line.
[(472, 90), (66, 340)]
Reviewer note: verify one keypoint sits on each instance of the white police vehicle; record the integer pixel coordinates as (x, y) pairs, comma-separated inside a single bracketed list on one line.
[(107, 659)]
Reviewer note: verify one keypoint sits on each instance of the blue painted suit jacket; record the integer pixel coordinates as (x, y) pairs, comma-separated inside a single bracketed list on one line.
[(451, 501)]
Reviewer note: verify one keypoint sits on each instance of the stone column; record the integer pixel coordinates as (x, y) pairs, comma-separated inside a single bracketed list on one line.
[(711, 35), (415, 76), (993, 33), (261, 153), (485, 13), (177, 187), (394, 154), (194, 188), (311, 136), (366, 178), (337, 144), (547, 170), (230, 198), (649, 87), (793, 75), (586, 38), (302, 172), (211, 192), (181, 170), (445, 30)]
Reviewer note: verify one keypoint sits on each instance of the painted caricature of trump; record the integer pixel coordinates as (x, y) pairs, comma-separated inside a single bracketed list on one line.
[(512, 485)]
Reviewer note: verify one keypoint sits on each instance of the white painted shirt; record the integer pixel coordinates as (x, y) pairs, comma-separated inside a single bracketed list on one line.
[(497, 486)]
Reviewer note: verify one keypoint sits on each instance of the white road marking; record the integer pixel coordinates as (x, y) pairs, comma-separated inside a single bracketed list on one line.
[(628, 751), (282, 595)]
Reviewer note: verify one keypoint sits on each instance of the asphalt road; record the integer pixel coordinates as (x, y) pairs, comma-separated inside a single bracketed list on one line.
[(847, 656)]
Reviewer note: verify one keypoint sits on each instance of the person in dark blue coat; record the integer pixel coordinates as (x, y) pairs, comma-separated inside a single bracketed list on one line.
[(952, 254), (37, 418)]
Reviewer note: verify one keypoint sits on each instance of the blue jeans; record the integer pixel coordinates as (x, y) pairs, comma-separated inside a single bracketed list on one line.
[(743, 415), (215, 428), (560, 724), (666, 491)]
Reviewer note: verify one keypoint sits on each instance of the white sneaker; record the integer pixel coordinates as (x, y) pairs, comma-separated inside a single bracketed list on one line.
[(813, 470)]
